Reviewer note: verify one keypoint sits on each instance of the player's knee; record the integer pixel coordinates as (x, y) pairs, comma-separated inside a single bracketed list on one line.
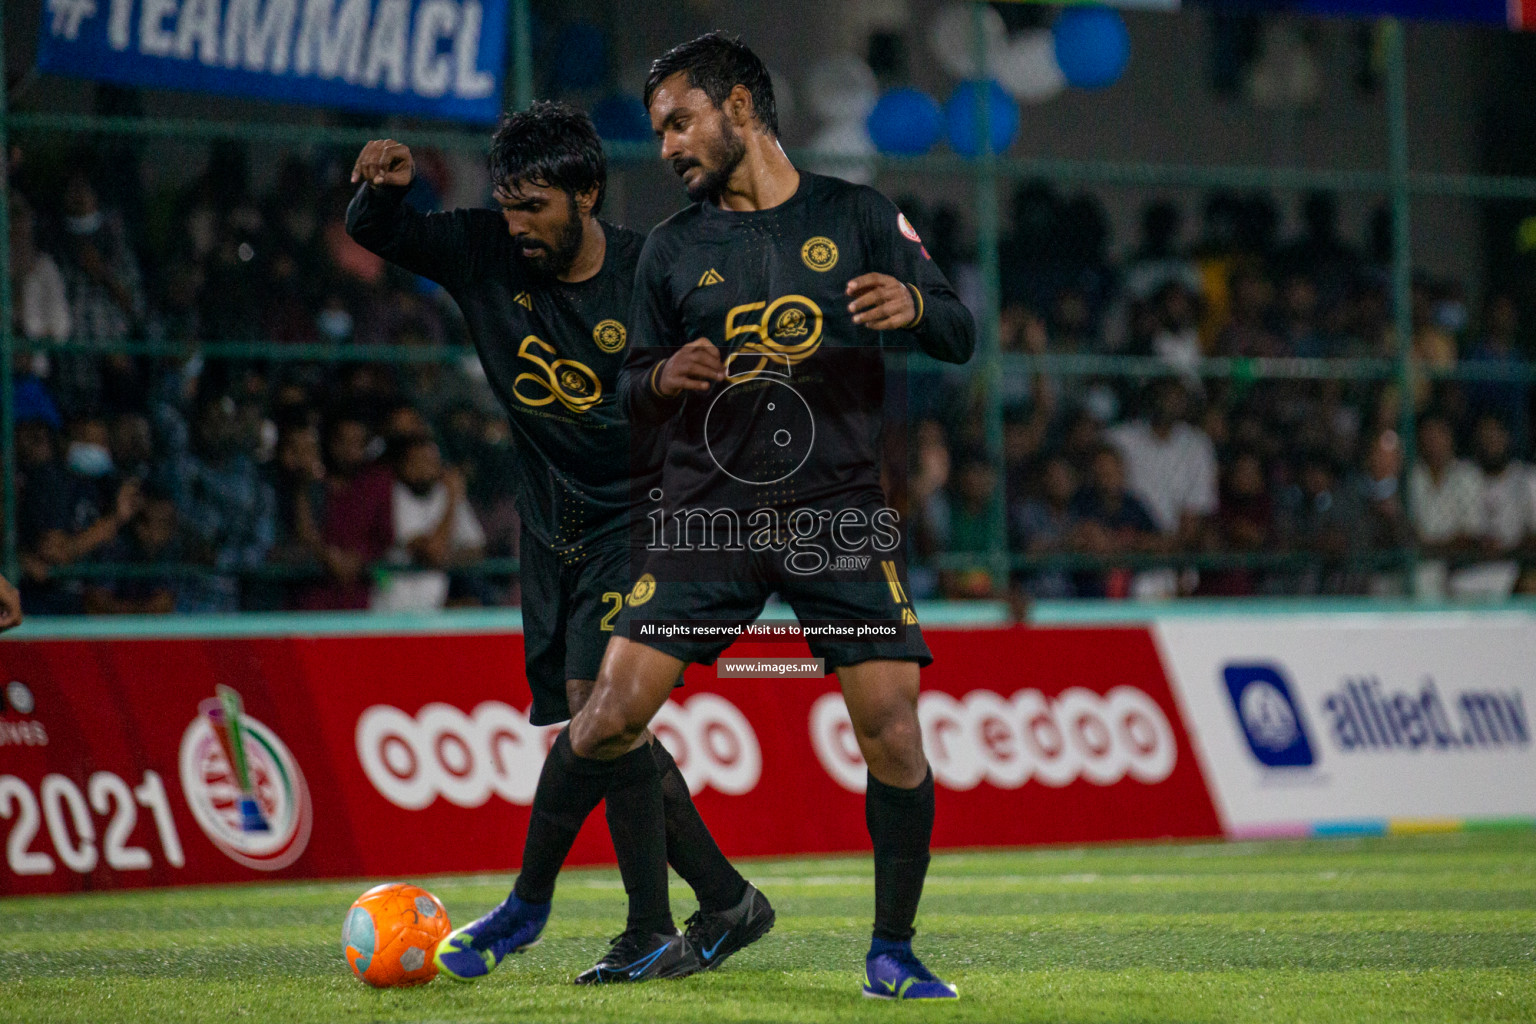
[(902, 740), (894, 730), (603, 732)]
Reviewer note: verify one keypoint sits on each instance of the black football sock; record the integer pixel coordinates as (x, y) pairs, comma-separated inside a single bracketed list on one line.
[(569, 788), (900, 823), (690, 847), (635, 820)]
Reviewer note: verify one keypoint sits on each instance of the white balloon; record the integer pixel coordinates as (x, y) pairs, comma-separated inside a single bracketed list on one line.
[(848, 139), (1027, 67), (842, 89), (953, 38)]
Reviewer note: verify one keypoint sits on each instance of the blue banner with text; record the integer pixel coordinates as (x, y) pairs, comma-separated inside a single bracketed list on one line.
[(438, 58)]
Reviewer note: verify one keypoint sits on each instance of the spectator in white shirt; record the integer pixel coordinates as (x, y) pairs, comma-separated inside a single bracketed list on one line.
[(1444, 493), (1445, 496), (1170, 464), (434, 528), (42, 310), (1508, 512)]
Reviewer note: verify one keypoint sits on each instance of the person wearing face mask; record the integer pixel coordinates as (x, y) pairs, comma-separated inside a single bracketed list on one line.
[(88, 454), (104, 290), (435, 527), (63, 517)]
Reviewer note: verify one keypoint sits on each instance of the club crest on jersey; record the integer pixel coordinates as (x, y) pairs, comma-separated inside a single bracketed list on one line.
[(907, 230), (643, 590), (819, 253), (791, 324), (609, 335)]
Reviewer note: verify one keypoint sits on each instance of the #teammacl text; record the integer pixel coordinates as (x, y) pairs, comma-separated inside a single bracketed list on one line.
[(357, 41)]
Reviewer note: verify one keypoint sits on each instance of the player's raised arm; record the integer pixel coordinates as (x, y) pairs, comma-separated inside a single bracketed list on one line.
[(438, 246), (912, 295)]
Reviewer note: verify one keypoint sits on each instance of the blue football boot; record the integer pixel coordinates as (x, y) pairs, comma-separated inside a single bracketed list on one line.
[(472, 951), (893, 971)]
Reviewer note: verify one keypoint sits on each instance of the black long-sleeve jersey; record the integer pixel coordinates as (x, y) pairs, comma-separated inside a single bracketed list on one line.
[(552, 352), (798, 421)]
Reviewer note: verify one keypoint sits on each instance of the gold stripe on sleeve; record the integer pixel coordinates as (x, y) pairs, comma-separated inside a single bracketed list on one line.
[(917, 296)]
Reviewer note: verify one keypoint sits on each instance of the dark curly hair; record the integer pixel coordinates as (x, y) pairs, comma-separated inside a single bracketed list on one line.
[(717, 63), (551, 145)]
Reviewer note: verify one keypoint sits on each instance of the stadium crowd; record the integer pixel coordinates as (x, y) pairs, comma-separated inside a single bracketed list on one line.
[(293, 483)]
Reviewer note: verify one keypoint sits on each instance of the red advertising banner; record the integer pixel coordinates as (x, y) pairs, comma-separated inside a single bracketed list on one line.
[(130, 763)]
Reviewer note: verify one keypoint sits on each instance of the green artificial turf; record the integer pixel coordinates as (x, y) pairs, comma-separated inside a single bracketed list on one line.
[(1419, 928)]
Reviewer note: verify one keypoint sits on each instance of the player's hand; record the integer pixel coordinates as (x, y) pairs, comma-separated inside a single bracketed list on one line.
[(10, 605), (881, 303), (694, 367), (384, 162)]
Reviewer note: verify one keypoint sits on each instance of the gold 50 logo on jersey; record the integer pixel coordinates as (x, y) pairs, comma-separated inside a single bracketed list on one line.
[(567, 381), (787, 330)]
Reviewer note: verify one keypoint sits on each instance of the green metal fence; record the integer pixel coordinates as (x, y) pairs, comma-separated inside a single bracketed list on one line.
[(986, 173)]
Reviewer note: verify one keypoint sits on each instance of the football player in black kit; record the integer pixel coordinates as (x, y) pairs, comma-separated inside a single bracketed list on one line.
[(762, 314), (545, 289)]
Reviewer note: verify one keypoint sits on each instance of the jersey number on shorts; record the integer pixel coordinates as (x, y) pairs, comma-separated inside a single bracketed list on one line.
[(606, 622)]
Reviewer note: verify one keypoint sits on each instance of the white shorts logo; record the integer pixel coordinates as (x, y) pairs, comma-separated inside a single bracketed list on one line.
[(1006, 742), (494, 751)]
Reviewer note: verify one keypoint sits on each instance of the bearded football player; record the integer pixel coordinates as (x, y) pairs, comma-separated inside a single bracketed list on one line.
[(763, 314), (545, 287)]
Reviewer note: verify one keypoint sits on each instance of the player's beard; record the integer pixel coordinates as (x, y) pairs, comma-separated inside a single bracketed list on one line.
[(726, 155), (560, 255)]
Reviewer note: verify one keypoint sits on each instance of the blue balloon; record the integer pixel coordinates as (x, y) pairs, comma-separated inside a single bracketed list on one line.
[(581, 56), (964, 130), (1092, 46), (621, 118), (906, 122)]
